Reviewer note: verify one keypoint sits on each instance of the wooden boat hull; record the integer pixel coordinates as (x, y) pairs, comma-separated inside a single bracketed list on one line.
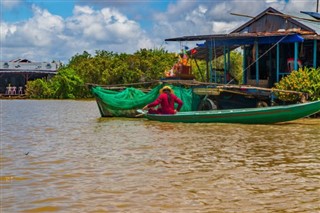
[(264, 115)]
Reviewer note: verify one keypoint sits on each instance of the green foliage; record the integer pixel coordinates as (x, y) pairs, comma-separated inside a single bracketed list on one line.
[(236, 60), (305, 80), (66, 84), (153, 63), (112, 68), (38, 88), (106, 68), (235, 65), (103, 68), (199, 68), (75, 60)]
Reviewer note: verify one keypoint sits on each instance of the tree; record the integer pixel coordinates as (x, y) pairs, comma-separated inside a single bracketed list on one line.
[(104, 68), (67, 84), (38, 88)]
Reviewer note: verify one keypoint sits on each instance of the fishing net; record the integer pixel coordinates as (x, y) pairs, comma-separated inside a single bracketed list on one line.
[(132, 98)]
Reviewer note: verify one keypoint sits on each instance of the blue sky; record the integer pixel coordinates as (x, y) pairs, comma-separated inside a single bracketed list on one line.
[(46, 30)]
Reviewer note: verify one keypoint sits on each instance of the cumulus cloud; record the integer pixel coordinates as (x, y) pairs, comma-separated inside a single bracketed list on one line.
[(46, 36), (295, 6), (213, 17), (9, 4), (31, 37), (104, 28)]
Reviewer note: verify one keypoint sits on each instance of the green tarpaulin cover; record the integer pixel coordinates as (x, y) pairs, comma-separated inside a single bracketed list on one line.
[(133, 98)]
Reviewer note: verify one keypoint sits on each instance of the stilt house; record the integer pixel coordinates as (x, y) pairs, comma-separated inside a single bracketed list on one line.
[(273, 44)]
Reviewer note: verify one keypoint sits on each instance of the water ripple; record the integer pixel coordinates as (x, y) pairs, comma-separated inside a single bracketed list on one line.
[(59, 156)]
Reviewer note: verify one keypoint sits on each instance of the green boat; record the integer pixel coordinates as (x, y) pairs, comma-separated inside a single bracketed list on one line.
[(119, 101), (264, 115)]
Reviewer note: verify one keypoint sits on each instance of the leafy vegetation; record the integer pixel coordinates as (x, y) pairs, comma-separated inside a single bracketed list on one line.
[(38, 88), (235, 65), (66, 84), (305, 80), (107, 68)]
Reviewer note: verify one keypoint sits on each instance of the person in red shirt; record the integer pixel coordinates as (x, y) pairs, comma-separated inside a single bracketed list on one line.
[(166, 100)]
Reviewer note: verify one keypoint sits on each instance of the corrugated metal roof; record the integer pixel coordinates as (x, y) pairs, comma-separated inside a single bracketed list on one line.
[(228, 36), (273, 23), (268, 23), (28, 67), (271, 20)]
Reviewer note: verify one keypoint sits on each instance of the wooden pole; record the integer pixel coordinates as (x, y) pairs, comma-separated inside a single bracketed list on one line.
[(243, 15), (282, 15), (290, 16)]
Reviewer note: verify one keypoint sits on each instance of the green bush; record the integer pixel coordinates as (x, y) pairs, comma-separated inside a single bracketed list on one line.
[(305, 80), (38, 88), (66, 84)]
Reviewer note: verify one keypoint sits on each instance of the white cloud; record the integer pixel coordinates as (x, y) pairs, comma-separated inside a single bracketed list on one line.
[(35, 38), (79, 10), (9, 4), (105, 28), (46, 36), (213, 17), (37, 31), (6, 30), (295, 6)]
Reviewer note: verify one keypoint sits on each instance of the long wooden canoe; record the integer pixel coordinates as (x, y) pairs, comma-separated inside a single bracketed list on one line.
[(264, 115)]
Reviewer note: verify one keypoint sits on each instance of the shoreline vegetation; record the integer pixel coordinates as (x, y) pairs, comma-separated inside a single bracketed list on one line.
[(147, 65), (108, 68)]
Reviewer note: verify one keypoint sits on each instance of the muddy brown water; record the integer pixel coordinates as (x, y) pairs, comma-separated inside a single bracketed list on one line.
[(60, 156)]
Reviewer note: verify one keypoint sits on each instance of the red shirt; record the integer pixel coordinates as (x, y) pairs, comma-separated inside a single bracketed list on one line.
[(166, 107)]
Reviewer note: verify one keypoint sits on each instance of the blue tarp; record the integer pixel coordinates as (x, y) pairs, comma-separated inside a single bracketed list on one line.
[(250, 40)]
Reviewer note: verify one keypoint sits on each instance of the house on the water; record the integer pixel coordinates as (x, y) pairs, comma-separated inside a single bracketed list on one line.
[(273, 44), (14, 74)]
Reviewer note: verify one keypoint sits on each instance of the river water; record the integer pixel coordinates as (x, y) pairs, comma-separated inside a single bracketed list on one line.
[(60, 156)]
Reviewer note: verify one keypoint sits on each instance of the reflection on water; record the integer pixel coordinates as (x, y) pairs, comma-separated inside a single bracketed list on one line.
[(59, 156)]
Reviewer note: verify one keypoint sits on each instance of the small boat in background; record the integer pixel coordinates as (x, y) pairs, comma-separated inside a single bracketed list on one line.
[(264, 115)]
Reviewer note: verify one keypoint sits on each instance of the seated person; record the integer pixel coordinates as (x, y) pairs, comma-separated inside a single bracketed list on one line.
[(166, 100)]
